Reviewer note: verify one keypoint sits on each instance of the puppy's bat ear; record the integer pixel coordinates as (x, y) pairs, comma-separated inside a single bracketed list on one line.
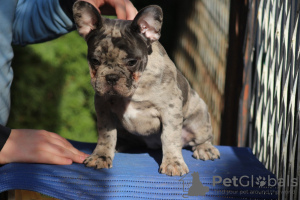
[(148, 22), (86, 17)]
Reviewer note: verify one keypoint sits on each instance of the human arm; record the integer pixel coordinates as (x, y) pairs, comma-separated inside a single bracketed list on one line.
[(38, 21)]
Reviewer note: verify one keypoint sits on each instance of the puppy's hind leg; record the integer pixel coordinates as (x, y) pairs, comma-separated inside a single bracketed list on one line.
[(198, 128), (201, 143), (206, 151)]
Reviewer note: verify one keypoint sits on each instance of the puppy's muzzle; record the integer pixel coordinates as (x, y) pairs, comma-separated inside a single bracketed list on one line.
[(112, 79)]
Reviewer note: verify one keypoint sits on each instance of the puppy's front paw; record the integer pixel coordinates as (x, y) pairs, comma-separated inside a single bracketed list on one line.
[(98, 161), (174, 168), (206, 151)]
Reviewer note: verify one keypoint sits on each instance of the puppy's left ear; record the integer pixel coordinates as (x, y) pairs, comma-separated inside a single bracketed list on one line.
[(148, 22)]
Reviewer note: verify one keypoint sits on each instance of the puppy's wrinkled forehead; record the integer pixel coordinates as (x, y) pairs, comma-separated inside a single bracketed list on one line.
[(115, 41), (106, 50)]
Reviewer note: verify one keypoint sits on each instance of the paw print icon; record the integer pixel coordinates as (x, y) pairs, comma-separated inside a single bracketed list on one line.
[(260, 181)]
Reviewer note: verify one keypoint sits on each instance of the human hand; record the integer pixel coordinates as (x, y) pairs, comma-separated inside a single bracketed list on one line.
[(39, 146), (124, 9)]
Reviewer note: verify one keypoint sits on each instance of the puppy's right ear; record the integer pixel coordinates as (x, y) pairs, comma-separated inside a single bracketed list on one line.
[(86, 17)]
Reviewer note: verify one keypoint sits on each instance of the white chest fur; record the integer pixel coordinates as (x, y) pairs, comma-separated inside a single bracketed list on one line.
[(139, 118)]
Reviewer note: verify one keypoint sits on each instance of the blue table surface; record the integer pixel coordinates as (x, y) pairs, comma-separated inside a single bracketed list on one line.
[(238, 174)]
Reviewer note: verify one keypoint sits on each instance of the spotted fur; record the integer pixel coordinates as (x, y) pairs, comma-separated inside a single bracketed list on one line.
[(141, 99)]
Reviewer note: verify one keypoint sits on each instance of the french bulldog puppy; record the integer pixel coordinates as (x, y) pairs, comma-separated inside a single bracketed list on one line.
[(140, 96)]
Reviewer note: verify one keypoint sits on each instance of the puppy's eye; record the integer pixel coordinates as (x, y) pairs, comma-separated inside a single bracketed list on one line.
[(94, 61), (131, 62)]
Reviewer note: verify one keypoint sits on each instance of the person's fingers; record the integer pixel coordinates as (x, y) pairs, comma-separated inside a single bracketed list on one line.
[(54, 143), (124, 9), (60, 151), (30, 146), (68, 146), (50, 158), (131, 11), (120, 8), (59, 140), (54, 135)]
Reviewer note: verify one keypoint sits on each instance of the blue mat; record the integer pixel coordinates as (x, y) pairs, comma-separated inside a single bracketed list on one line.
[(238, 174)]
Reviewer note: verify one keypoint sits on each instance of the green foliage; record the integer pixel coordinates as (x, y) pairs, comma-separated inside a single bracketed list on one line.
[(51, 89)]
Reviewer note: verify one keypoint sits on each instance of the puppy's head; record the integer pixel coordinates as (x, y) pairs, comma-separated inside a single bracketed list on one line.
[(117, 49)]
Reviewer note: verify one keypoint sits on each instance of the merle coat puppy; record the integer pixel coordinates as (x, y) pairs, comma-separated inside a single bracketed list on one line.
[(140, 96)]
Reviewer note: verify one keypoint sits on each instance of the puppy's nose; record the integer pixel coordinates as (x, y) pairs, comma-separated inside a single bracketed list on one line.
[(112, 79)]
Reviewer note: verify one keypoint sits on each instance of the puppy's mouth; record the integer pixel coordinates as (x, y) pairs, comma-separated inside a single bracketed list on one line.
[(121, 91), (113, 91)]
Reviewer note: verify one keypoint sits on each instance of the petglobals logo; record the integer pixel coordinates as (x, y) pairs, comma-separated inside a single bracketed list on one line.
[(247, 181), (266, 186)]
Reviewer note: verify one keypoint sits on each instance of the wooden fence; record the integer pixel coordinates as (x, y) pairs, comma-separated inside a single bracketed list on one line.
[(201, 53)]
